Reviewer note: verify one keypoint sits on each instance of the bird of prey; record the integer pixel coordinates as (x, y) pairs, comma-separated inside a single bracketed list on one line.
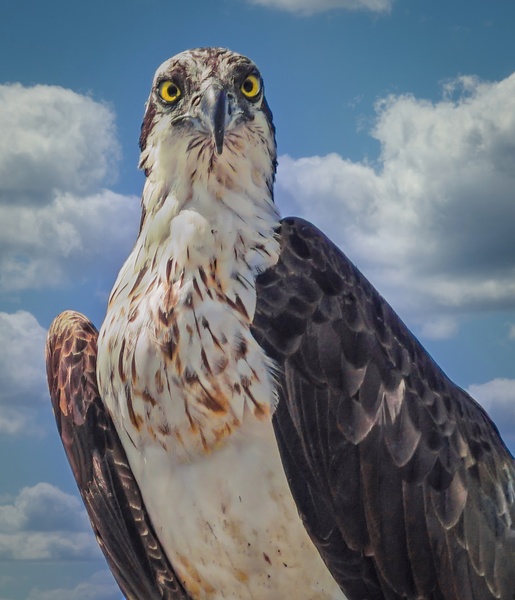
[(253, 420)]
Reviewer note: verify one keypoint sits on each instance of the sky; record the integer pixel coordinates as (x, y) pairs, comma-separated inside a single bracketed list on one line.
[(396, 136)]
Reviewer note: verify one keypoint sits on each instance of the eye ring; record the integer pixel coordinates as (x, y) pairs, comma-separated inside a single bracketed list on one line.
[(251, 87), (169, 91)]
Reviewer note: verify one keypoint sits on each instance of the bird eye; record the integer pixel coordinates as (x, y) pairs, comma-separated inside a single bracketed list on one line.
[(251, 87), (169, 91)]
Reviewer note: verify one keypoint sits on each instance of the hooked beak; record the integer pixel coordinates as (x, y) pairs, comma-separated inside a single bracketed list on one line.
[(214, 114)]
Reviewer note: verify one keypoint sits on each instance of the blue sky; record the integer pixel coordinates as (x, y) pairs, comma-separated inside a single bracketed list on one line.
[(396, 131)]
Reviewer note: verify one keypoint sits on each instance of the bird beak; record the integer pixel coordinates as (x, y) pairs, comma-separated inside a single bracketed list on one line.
[(214, 114)]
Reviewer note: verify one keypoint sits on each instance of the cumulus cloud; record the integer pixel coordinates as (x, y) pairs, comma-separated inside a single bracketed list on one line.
[(309, 7), (22, 370), (100, 586), (53, 139), (57, 149), (69, 238), (432, 223), (498, 399), (24, 422), (22, 373), (45, 523)]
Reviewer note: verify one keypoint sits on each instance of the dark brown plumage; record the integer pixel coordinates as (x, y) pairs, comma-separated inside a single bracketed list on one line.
[(421, 505)]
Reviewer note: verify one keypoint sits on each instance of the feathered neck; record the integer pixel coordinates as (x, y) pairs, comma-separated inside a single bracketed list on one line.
[(199, 207)]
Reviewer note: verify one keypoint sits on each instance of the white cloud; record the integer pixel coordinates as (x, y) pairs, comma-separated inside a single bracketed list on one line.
[(53, 139), (43, 507), (56, 151), (100, 586), (433, 226), (511, 332), (45, 523), (69, 238), (309, 7), (23, 421), (498, 399), (22, 367), (52, 545), (22, 373)]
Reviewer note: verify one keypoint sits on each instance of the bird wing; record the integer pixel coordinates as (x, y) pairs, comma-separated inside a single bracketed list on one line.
[(402, 480), (99, 464)]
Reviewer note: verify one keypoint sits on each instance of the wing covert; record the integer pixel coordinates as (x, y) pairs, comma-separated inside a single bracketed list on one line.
[(99, 464), (402, 479)]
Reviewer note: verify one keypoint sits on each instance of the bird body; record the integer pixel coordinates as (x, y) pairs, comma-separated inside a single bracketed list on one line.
[(257, 422), (190, 391)]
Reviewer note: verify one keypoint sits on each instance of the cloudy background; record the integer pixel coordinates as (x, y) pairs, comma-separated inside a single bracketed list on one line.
[(396, 132)]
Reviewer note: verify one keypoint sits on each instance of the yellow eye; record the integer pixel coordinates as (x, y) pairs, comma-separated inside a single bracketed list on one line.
[(169, 91), (251, 87)]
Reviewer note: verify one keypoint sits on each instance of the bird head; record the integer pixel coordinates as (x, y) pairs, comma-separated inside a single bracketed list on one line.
[(206, 107)]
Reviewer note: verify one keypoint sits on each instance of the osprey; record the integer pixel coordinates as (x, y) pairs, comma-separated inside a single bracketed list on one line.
[(253, 420)]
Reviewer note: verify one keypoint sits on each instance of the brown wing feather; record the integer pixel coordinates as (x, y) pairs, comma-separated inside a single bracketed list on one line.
[(99, 464), (403, 481)]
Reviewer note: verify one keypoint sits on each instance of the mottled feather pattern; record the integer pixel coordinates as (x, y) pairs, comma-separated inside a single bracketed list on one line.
[(252, 386), (415, 477), (190, 391), (99, 464), (178, 321)]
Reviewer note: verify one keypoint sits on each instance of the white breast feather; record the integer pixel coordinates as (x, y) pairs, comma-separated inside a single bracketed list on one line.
[(192, 393)]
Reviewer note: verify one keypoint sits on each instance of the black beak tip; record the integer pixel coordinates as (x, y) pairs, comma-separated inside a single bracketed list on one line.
[(219, 142)]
